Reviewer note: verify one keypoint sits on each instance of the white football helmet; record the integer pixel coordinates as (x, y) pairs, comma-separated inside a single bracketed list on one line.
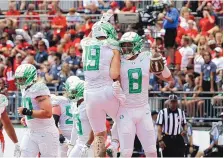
[(135, 44), (25, 75)]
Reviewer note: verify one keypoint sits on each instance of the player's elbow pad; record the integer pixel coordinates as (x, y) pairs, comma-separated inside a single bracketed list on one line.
[(166, 72)]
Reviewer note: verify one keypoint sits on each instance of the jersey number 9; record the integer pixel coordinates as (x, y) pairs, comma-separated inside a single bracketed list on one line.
[(92, 58)]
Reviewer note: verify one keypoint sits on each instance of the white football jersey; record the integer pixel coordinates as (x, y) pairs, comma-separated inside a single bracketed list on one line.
[(97, 56), (135, 80), (29, 102), (83, 127), (66, 120)]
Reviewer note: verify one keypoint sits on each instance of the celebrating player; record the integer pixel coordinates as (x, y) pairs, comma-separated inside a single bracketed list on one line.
[(75, 88), (8, 127), (42, 136), (101, 60), (135, 116), (63, 119)]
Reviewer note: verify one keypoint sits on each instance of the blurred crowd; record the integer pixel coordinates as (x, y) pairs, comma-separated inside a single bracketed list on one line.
[(54, 47)]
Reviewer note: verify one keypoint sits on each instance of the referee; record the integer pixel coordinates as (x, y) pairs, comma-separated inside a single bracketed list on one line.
[(169, 124)]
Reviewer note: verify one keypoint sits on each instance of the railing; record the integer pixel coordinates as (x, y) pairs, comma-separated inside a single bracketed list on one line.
[(46, 19), (157, 101), (65, 5)]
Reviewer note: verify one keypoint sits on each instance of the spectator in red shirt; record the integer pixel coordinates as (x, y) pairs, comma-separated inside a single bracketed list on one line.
[(17, 61), (31, 12), (191, 31), (180, 32), (207, 22), (129, 7), (12, 11), (59, 24), (52, 11), (21, 43), (9, 75), (88, 26)]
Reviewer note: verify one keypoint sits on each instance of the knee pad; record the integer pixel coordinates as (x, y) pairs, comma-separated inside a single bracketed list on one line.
[(99, 146), (126, 152)]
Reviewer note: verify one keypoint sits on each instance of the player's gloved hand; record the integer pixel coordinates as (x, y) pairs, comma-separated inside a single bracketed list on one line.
[(118, 92), (84, 150), (17, 150), (70, 147), (61, 139)]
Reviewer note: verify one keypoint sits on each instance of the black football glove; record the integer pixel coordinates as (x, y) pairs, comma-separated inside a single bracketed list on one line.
[(61, 138)]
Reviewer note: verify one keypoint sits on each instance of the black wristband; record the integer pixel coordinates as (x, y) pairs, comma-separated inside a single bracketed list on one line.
[(160, 140), (27, 112), (87, 145)]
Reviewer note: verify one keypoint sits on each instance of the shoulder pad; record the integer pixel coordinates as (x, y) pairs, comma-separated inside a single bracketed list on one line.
[(113, 44), (39, 89), (88, 41)]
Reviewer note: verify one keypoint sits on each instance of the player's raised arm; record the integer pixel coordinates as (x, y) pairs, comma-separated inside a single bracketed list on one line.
[(115, 65), (158, 67)]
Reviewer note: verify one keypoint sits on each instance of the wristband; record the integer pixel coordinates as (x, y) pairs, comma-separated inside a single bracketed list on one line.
[(87, 145), (160, 140), (27, 112)]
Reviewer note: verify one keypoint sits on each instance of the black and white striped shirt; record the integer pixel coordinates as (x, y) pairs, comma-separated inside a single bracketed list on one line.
[(171, 121)]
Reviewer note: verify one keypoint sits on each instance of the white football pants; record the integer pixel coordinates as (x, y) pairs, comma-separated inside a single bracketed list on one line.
[(76, 151), (132, 121), (99, 103), (45, 142)]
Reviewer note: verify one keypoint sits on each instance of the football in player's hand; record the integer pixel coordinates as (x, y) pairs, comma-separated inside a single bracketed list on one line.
[(156, 63)]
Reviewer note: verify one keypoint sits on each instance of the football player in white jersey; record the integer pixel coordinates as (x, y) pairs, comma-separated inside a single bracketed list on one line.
[(63, 119), (42, 135), (75, 89), (8, 126), (134, 117), (101, 60)]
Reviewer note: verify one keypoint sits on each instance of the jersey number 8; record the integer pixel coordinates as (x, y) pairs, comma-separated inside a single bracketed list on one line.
[(135, 80)]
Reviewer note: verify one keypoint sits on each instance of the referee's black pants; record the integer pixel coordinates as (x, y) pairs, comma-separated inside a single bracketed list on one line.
[(175, 146)]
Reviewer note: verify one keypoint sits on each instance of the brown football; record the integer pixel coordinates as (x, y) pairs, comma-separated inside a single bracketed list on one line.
[(156, 63)]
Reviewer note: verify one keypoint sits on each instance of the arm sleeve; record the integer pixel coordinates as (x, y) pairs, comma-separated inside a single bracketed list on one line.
[(184, 119), (56, 119), (159, 120)]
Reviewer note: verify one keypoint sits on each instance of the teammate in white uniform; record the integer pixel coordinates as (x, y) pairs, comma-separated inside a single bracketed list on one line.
[(62, 114), (8, 126), (101, 60), (134, 117), (42, 135), (75, 88)]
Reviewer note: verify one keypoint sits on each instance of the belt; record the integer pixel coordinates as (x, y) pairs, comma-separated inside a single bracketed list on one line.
[(172, 136)]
